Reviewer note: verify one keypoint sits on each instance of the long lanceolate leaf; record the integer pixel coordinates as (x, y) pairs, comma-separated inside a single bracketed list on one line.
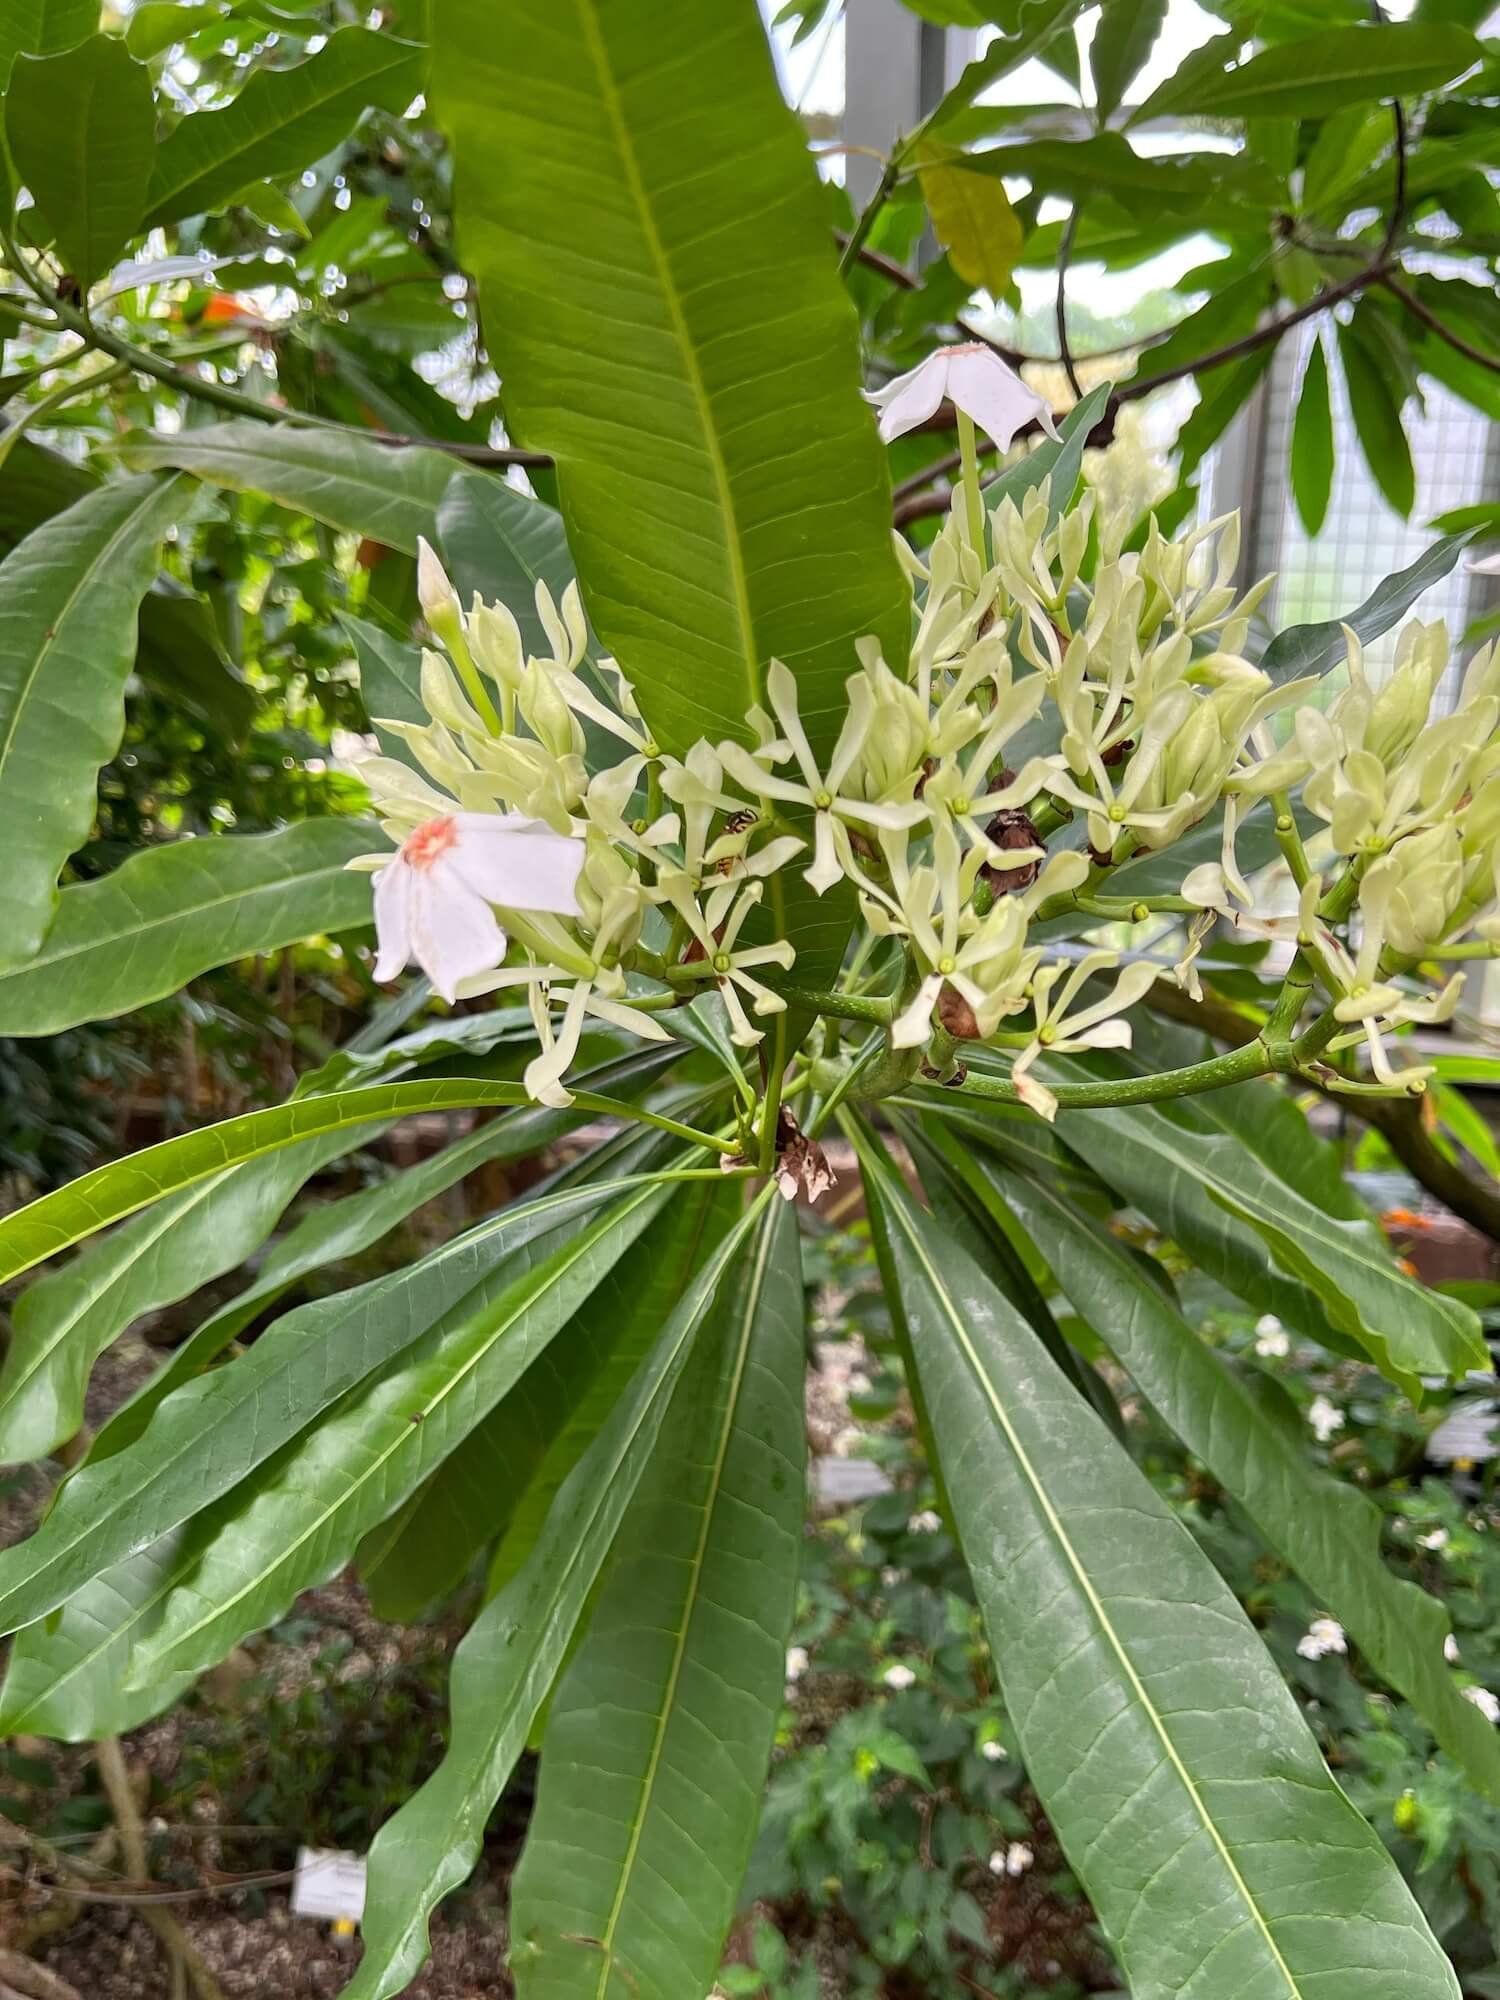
[(69, 598), (685, 1656), (299, 1525), (62, 1323), (213, 1431), (94, 1200), (171, 912), (1173, 1763), (1407, 1330), (506, 1473), (679, 340), (1327, 1530), (506, 1663)]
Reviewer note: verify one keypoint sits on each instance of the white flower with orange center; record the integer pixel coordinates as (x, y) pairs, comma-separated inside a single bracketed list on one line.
[(435, 899)]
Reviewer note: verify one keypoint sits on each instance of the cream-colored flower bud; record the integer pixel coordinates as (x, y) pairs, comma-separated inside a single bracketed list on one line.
[(495, 642), (552, 721), (443, 698), (436, 595), (1415, 889), (1399, 711)]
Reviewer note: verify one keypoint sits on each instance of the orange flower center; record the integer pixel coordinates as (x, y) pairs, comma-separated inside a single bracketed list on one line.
[(433, 838)]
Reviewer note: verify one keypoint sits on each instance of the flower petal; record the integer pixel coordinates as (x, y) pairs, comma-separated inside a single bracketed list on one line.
[(453, 932), (393, 919), (913, 397), (516, 862), (994, 395)]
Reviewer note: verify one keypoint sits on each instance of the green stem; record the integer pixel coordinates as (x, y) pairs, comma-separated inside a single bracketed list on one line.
[(865, 222), (771, 1110), (841, 1006), (38, 412), (1289, 840), (968, 459)]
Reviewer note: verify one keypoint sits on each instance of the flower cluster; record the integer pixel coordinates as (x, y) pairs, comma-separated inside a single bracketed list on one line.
[(1067, 703)]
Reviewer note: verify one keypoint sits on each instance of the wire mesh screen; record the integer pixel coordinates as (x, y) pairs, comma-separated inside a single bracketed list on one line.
[(1364, 539)]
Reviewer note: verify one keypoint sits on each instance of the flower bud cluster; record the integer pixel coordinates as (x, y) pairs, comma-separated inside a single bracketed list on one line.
[(1046, 728)]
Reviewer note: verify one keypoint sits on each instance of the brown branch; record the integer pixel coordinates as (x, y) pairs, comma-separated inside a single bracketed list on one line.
[(1419, 309), (1064, 254)]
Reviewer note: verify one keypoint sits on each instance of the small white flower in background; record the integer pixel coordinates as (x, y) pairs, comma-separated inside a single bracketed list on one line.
[(796, 1663), (928, 1522), (848, 1441), (1271, 1337), (1450, 1650), (890, 1576), (1437, 1539), (1325, 1418), (1484, 565), (859, 1385), (993, 1752), (975, 380), (434, 897), (899, 1677), (1323, 1636), (1484, 1701), (1012, 1860)]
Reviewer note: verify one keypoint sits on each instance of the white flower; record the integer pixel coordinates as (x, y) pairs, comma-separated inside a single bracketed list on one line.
[(1484, 565), (899, 1677), (1271, 1337), (1484, 1701), (1323, 1636), (1325, 1418), (975, 380), (433, 897), (890, 1576), (1092, 1027), (928, 1522), (848, 1441), (1012, 1860), (1438, 1539), (993, 1752), (796, 1663), (1450, 1650)]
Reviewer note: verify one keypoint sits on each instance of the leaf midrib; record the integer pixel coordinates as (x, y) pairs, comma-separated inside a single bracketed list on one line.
[(679, 1652), (1096, 1605)]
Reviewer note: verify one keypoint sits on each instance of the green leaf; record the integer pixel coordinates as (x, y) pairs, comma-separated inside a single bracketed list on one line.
[(971, 216), (1375, 400), (1231, 310), (43, 27), (504, 1667), (1123, 39), (685, 1653), (506, 1473), (390, 683), (156, 24), (69, 598), (1313, 649), (1325, 1528), (213, 1431), (498, 542), (689, 357), (281, 120), (1028, 30), (390, 495), (170, 912), (1312, 442), (1347, 145), (1059, 460), (81, 127), (295, 1524), (1169, 1755), (62, 1323), (1315, 74), (1407, 1330), (333, 1232), (66, 1677), (1223, 392), (44, 1227)]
